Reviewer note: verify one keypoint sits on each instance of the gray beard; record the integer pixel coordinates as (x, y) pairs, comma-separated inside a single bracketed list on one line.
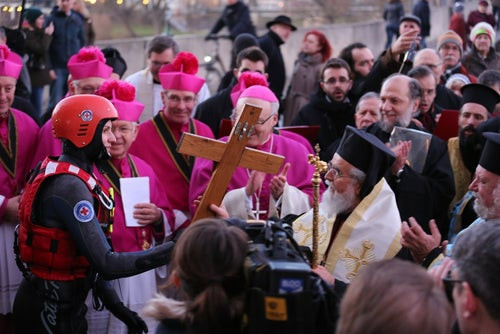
[(334, 203), (480, 209), (403, 121), (491, 212)]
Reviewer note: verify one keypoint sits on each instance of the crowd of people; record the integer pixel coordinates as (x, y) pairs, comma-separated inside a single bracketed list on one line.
[(95, 196)]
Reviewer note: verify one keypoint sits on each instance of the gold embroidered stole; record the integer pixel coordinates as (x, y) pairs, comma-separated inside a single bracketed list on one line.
[(461, 174), (8, 154), (356, 243), (113, 175)]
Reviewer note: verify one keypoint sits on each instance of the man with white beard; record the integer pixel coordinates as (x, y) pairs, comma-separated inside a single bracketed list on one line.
[(424, 195), (359, 221), (486, 190)]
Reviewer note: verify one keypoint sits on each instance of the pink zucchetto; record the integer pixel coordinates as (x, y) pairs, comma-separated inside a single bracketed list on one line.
[(181, 74), (122, 95), (247, 79), (89, 62), (10, 63), (259, 92)]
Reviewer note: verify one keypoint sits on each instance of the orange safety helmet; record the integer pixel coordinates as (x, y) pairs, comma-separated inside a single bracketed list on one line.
[(76, 117)]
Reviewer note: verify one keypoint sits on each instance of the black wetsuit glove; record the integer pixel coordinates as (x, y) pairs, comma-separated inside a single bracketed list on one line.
[(134, 322), (110, 299)]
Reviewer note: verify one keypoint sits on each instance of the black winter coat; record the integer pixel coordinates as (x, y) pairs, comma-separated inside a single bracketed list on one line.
[(332, 117)]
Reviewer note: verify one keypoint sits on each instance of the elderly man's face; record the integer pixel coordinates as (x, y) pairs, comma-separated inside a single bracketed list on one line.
[(267, 120), (125, 133), (7, 90), (486, 188), (157, 60), (367, 112), (85, 85), (408, 25), (430, 59), (178, 105), (282, 30), (450, 53), (395, 104), (343, 191)]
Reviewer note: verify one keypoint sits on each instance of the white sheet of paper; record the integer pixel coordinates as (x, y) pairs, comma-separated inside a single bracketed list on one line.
[(133, 190)]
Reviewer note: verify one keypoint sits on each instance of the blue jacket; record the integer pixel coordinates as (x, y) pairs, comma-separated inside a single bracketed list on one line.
[(68, 37)]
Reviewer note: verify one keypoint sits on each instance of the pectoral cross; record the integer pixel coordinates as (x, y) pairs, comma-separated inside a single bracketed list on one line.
[(229, 156)]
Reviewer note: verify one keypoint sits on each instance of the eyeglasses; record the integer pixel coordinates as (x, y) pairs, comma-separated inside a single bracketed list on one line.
[(333, 81), (432, 66), (175, 99), (234, 117), (87, 89), (336, 173), (448, 284), (122, 129), (259, 122)]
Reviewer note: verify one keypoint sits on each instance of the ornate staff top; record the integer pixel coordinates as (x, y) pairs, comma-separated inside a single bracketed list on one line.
[(319, 168)]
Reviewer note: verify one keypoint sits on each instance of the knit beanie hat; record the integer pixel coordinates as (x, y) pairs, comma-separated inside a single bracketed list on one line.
[(31, 14), (450, 37), (482, 28)]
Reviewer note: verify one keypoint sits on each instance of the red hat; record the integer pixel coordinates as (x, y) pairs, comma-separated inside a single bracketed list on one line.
[(181, 74), (122, 95), (89, 62), (247, 79), (10, 63)]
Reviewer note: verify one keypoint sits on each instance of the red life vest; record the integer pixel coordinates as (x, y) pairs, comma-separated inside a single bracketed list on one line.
[(49, 252)]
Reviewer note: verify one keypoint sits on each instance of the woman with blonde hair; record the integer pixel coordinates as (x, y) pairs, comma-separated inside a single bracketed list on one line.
[(207, 277)]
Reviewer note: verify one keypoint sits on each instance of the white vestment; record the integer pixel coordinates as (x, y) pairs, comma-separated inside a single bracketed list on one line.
[(371, 232)]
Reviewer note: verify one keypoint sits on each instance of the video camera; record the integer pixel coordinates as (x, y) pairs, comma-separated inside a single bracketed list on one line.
[(283, 294)]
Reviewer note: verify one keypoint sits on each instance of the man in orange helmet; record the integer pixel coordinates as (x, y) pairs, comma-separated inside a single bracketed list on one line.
[(64, 214)]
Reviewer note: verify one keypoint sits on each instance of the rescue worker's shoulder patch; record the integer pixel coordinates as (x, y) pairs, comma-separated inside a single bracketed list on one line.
[(83, 211)]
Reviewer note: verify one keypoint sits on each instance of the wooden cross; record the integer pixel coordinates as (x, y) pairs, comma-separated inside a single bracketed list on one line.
[(229, 156)]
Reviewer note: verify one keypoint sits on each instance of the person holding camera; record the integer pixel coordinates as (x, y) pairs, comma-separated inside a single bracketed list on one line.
[(207, 274)]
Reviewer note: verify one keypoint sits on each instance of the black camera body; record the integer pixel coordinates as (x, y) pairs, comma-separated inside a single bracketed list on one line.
[(283, 294)]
